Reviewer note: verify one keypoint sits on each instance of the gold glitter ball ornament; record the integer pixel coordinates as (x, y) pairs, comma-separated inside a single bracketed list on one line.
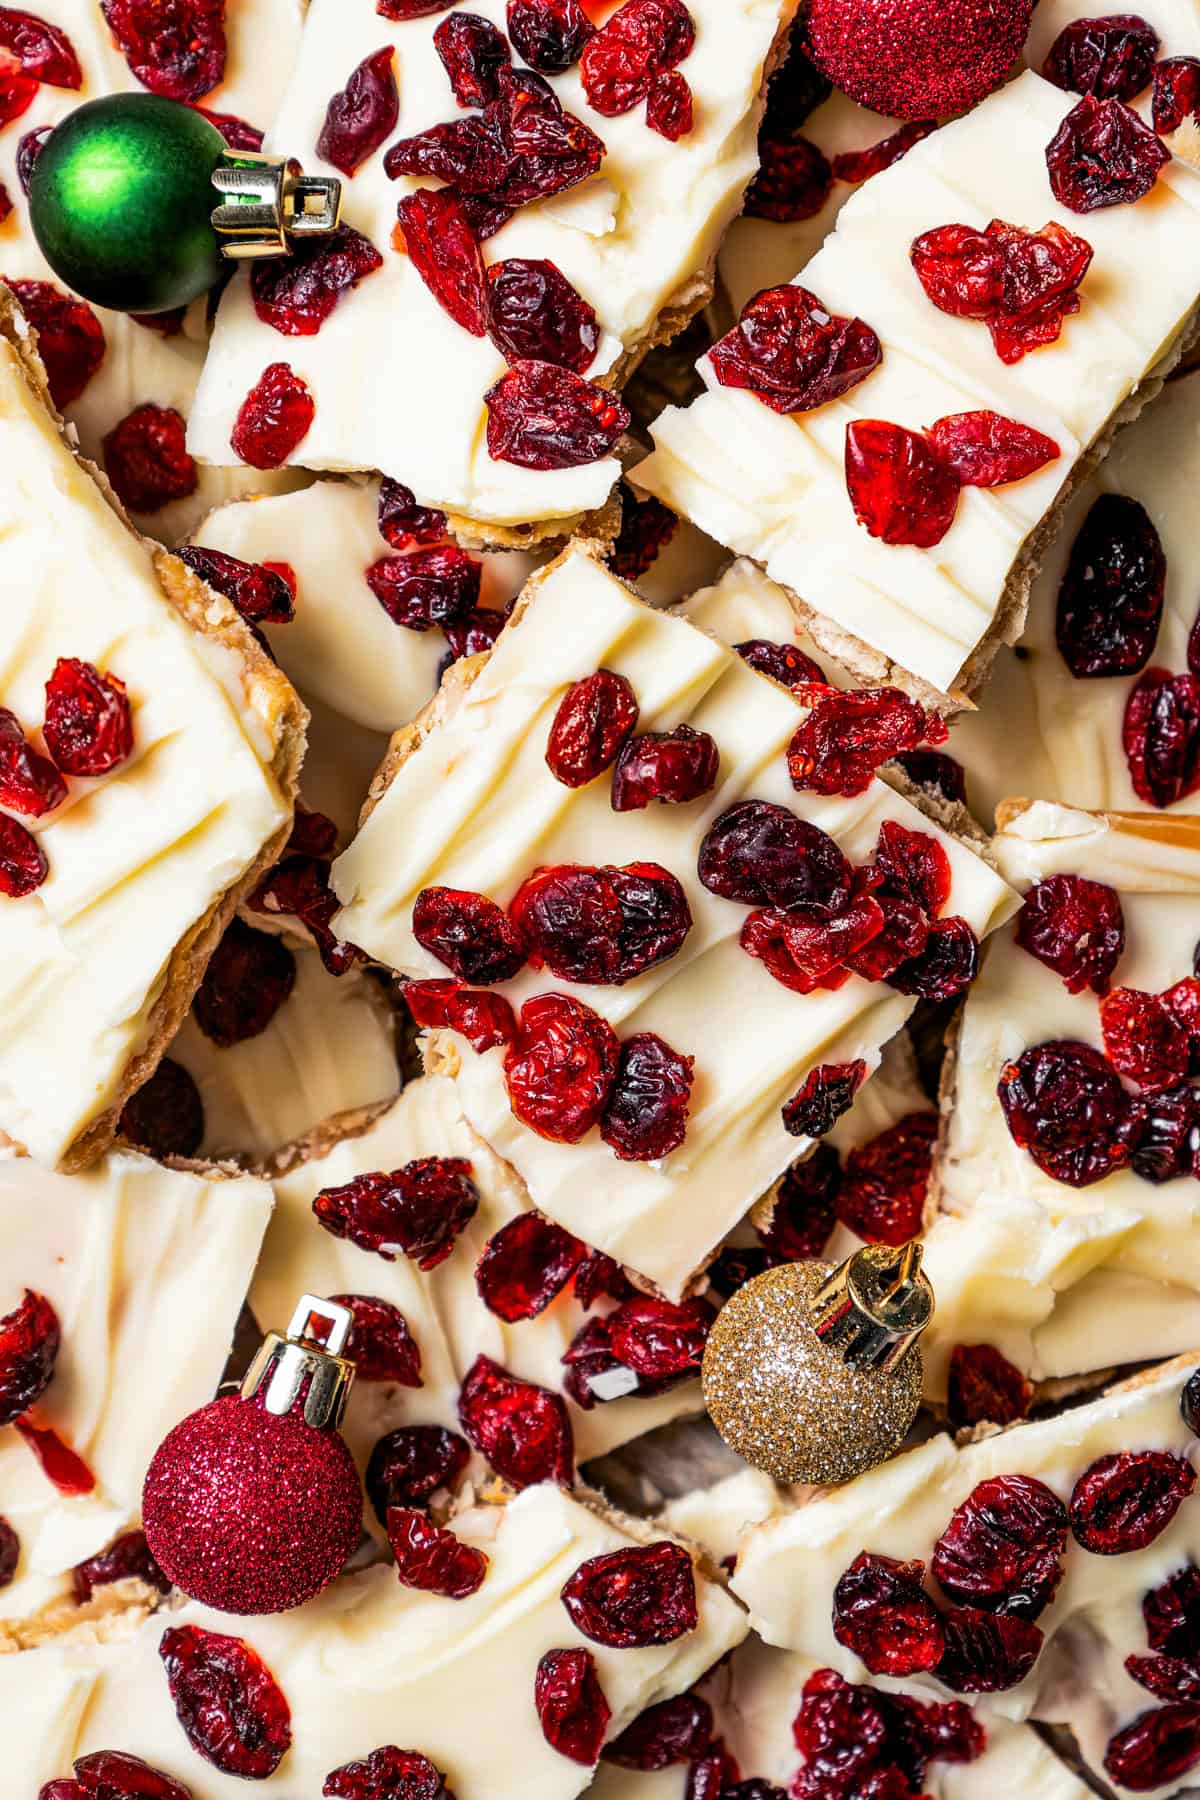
[(813, 1372)]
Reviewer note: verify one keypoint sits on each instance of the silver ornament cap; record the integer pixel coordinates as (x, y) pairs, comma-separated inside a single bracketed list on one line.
[(305, 1364)]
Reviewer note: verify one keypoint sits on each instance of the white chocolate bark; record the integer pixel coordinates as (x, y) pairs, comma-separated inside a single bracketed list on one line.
[(1065, 1280), (480, 810), (139, 857), (445, 1313), (633, 240), (788, 1567), (773, 486), (370, 1662), (744, 603), (147, 1269), (328, 1049), (140, 364)]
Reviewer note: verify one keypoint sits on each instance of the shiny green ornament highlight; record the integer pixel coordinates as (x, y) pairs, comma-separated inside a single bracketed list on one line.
[(121, 201)]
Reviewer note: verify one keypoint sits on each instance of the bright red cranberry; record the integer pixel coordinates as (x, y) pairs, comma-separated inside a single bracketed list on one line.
[(601, 926), (70, 336), (856, 166), (250, 976), (381, 1344), (522, 1429), (847, 736), (803, 1216), (1143, 1040), (642, 40), (785, 663), (881, 1613), (570, 1703), (485, 1020), (677, 1730), (1169, 1677), (1022, 284), (763, 855), (126, 1558), (647, 527), (416, 1211), (1124, 1501), (238, 135), (298, 887), (296, 294), (44, 52), (176, 48), (1076, 927), (1110, 600), (273, 419), (985, 1388), (1156, 1749), (166, 1115), (23, 864), (472, 50), (987, 1653), (427, 587), (986, 450), (1111, 58), (670, 766), (29, 1341), (915, 865), (662, 1340), (904, 936), (631, 1598), (1176, 93), (469, 933), (561, 1068), (1064, 1104), (1161, 735), (361, 116), (470, 155), (900, 488), (407, 1466), (804, 955), (793, 182), (1002, 1550), (228, 1702), (10, 1552), (88, 726), (793, 353), (549, 34), (825, 1094), (115, 1775), (1103, 155), (670, 109), (431, 1559), (1172, 1613), (402, 522), (543, 417), (884, 1184), (258, 592), (146, 459), (535, 314), (525, 1265), (387, 1774), (29, 782), (946, 966), (61, 1465), (17, 90), (443, 249), (594, 718)]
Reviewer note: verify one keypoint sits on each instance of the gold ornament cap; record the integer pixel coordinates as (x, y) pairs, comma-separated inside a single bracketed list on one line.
[(268, 204), (874, 1306), (305, 1364)]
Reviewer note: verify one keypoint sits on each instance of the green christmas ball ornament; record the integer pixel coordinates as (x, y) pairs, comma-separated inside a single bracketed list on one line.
[(121, 202)]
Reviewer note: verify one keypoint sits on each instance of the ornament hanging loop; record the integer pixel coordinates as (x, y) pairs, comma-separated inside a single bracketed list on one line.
[(874, 1306), (268, 203), (305, 1364)]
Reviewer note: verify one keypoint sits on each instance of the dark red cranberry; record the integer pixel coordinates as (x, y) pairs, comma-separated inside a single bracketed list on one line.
[(881, 1613), (599, 1277), (987, 1653), (825, 1094), (594, 718), (936, 771), (115, 1775), (226, 1699), (1168, 1677), (594, 1376), (641, 40), (883, 1187), (10, 1552), (1110, 599), (1172, 1613), (601, 926), (469, 933), (1168, 1142), (677, 1730), (29, 1340), (795, 89), (485, 1020), (561, 1068), (70, 337), (524, 1265), (127, 1558), (438, 585), (298, 887), (791, 351), (29, 148), (544, 417), (647, 527), (803, 1215), (166, 1115), (1124, 1501), (1076, 927), (295, 294), (388, 1773), (470, 154), (986, 450), (804, 955), (146, 459), (670, 766), (238, 135), (662, 1340), (176, 48), (900, 488), (431, 1559), (250, 976), (23, 864), (948, 963), (646, 1115), (549, 34), (856, 166), (785, 663), (1002, 1550), (711, 1776), (273, 419), (258, 591), (1143, 1040), (632, 1598), (1022, 284), (793, 182), (1103, 155), (535, 314), (444, 250), (1111, 58), (670, 109), (29, 782), (1064, 1104), (407, 1466), (985, 1388), (472, 50), (361, 116), (842, 1732), (402, 522), (1161, 735), (1176, 93), (763, 855), (1156, 1749), (416, 1211), (380, 1343), (570, 1704), (847, 736), (522, 1429)]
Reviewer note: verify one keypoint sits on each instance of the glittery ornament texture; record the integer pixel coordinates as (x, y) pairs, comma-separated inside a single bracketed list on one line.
[(248, 1511), (917, 59), (786, 1403)]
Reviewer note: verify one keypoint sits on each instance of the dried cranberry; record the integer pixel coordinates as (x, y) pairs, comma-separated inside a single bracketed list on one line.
[(552, 149), (986, 450), (432, 1559), (362, 115), (711, 1776), (228, 1702), (594, 718), (402, 522), (416, 1211), (249, 978), (594, 1376), (388, 1773), (257, 591), (939, 773), (986, 1654), (883, 1188), (127, 1558), (423, 588), (238, 135), (1142, 1039), (570, 1703), (1124, 1501), (380, 1343), (669, 766), (299, 888), (677, 1730), (881, 1613), (899, 487), (856, 166), (485, 1020), (29, 148), (61, 1466), (407, 1466), (631, 1598), (1103, 155), (561, 1068), (17, 90), (549, 34), (1002, 1550), (793, 353), (176, 48), (670, 109), (88, 726), (443, 249), (522, 1429), (785, 663), (115, 1775), (1168, 1143), (1064, 1104), (601, 926), (410, 9), (43, 51), (803, 1215), (1110, 600), (535, 314), (296, 294), (1111, 58), (1157, 1748), (1161, 735), (647, 527), (1176, 93), (1076, 927), (10, 1552), (793, 182), (662, 1340), (1172, 1613), (543, 417), (524, 1265), (804, 955), (1167, 1676), (847, 736), (985, 1388), (29, 782), (470, 155), (915, 865), (825, 1094), (23, 864), (472, 50), (468, 933), (642, 39), (904, 936), (146, 459), (166, 1115), (1022, 284), (70, 338), (948, 963), (273, 419), (763, 855), (29, 1341)]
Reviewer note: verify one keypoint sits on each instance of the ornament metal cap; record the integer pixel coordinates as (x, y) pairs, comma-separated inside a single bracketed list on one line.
[(268, 201), (284, 1365), (872, 1308)]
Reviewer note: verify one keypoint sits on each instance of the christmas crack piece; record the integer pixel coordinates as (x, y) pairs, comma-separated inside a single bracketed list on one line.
[(1069, 1239), (1048, 1571), (125, 1280), (149, 760), (375, 1671), (960, 348), (634, 1027), (588, 177)]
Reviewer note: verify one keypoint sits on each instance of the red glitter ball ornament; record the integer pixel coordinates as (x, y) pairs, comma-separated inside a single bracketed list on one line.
[(916, 59)]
